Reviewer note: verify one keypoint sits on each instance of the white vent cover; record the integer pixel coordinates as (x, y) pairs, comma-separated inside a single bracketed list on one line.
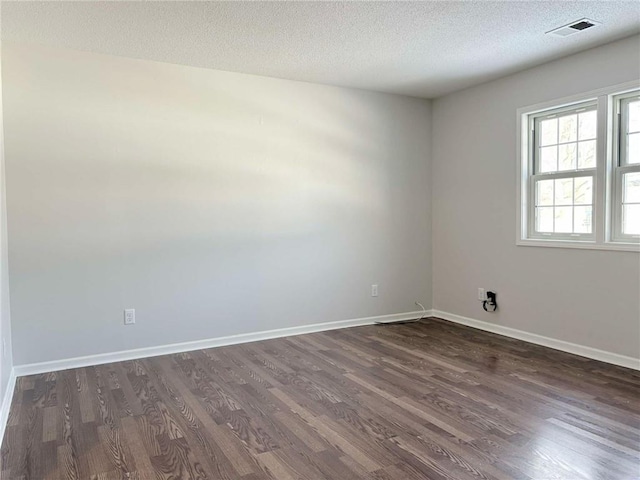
[(573, 27)]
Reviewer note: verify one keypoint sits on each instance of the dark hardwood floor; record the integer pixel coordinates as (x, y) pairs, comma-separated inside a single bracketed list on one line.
[(431, 400)]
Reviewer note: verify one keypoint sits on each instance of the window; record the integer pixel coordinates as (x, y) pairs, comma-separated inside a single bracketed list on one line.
[(564, 170), (579, 175), (626, 189)]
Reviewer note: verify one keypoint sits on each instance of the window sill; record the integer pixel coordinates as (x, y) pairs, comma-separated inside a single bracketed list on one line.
[(618, 246)]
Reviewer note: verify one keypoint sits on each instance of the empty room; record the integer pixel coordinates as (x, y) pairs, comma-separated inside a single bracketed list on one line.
[(320, 240)]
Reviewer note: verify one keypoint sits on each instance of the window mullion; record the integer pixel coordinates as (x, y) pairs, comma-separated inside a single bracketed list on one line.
[(600, 190)]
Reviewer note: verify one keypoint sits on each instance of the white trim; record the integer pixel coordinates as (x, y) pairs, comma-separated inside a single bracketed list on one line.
[(583, 351), (618, 246), (6, 403), (90, 360)]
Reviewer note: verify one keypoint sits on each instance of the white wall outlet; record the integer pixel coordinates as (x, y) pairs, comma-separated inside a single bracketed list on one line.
[(129, 316), (374, 290), (481, 295)]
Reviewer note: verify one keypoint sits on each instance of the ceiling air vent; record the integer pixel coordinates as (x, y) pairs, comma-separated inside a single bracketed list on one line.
[(574, 27)]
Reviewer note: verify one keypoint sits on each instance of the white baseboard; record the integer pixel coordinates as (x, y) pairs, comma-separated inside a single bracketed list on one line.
[(583, 351), (77, 362), (6, 403)]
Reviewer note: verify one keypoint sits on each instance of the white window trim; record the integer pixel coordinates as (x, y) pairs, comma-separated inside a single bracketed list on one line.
[(603, 187)]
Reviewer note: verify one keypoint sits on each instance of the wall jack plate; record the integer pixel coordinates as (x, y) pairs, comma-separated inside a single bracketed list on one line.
[(129, 316)]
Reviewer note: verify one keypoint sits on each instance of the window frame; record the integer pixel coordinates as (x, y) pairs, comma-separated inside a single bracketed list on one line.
[(604, 188), (619, 165), (535, 175)]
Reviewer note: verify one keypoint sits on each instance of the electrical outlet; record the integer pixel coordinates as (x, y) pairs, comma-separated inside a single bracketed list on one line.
[(481, 295), (129, 316), (374, 290)]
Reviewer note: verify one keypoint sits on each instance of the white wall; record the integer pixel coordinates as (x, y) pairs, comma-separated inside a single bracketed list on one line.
[(214, 203), (6, 361), (587, 297)]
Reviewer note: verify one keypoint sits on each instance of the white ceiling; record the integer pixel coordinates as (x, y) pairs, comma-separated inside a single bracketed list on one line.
[(423, 49)]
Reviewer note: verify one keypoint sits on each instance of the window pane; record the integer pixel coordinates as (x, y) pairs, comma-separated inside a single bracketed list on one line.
[(567, 157), (582, 219), (549, 132), (631, 187), (564, 219), (633, 148), (564, 191), (587, 154), (587, 125), (544, 193), (568, 128), (549, 159), (634, 116), (583, 191), (631, 219), (544, 219)]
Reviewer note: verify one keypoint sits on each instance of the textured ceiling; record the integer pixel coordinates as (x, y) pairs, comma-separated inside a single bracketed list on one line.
[(423, 49)]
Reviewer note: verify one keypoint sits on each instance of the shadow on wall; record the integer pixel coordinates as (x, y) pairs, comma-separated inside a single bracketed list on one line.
[(164, 168)]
